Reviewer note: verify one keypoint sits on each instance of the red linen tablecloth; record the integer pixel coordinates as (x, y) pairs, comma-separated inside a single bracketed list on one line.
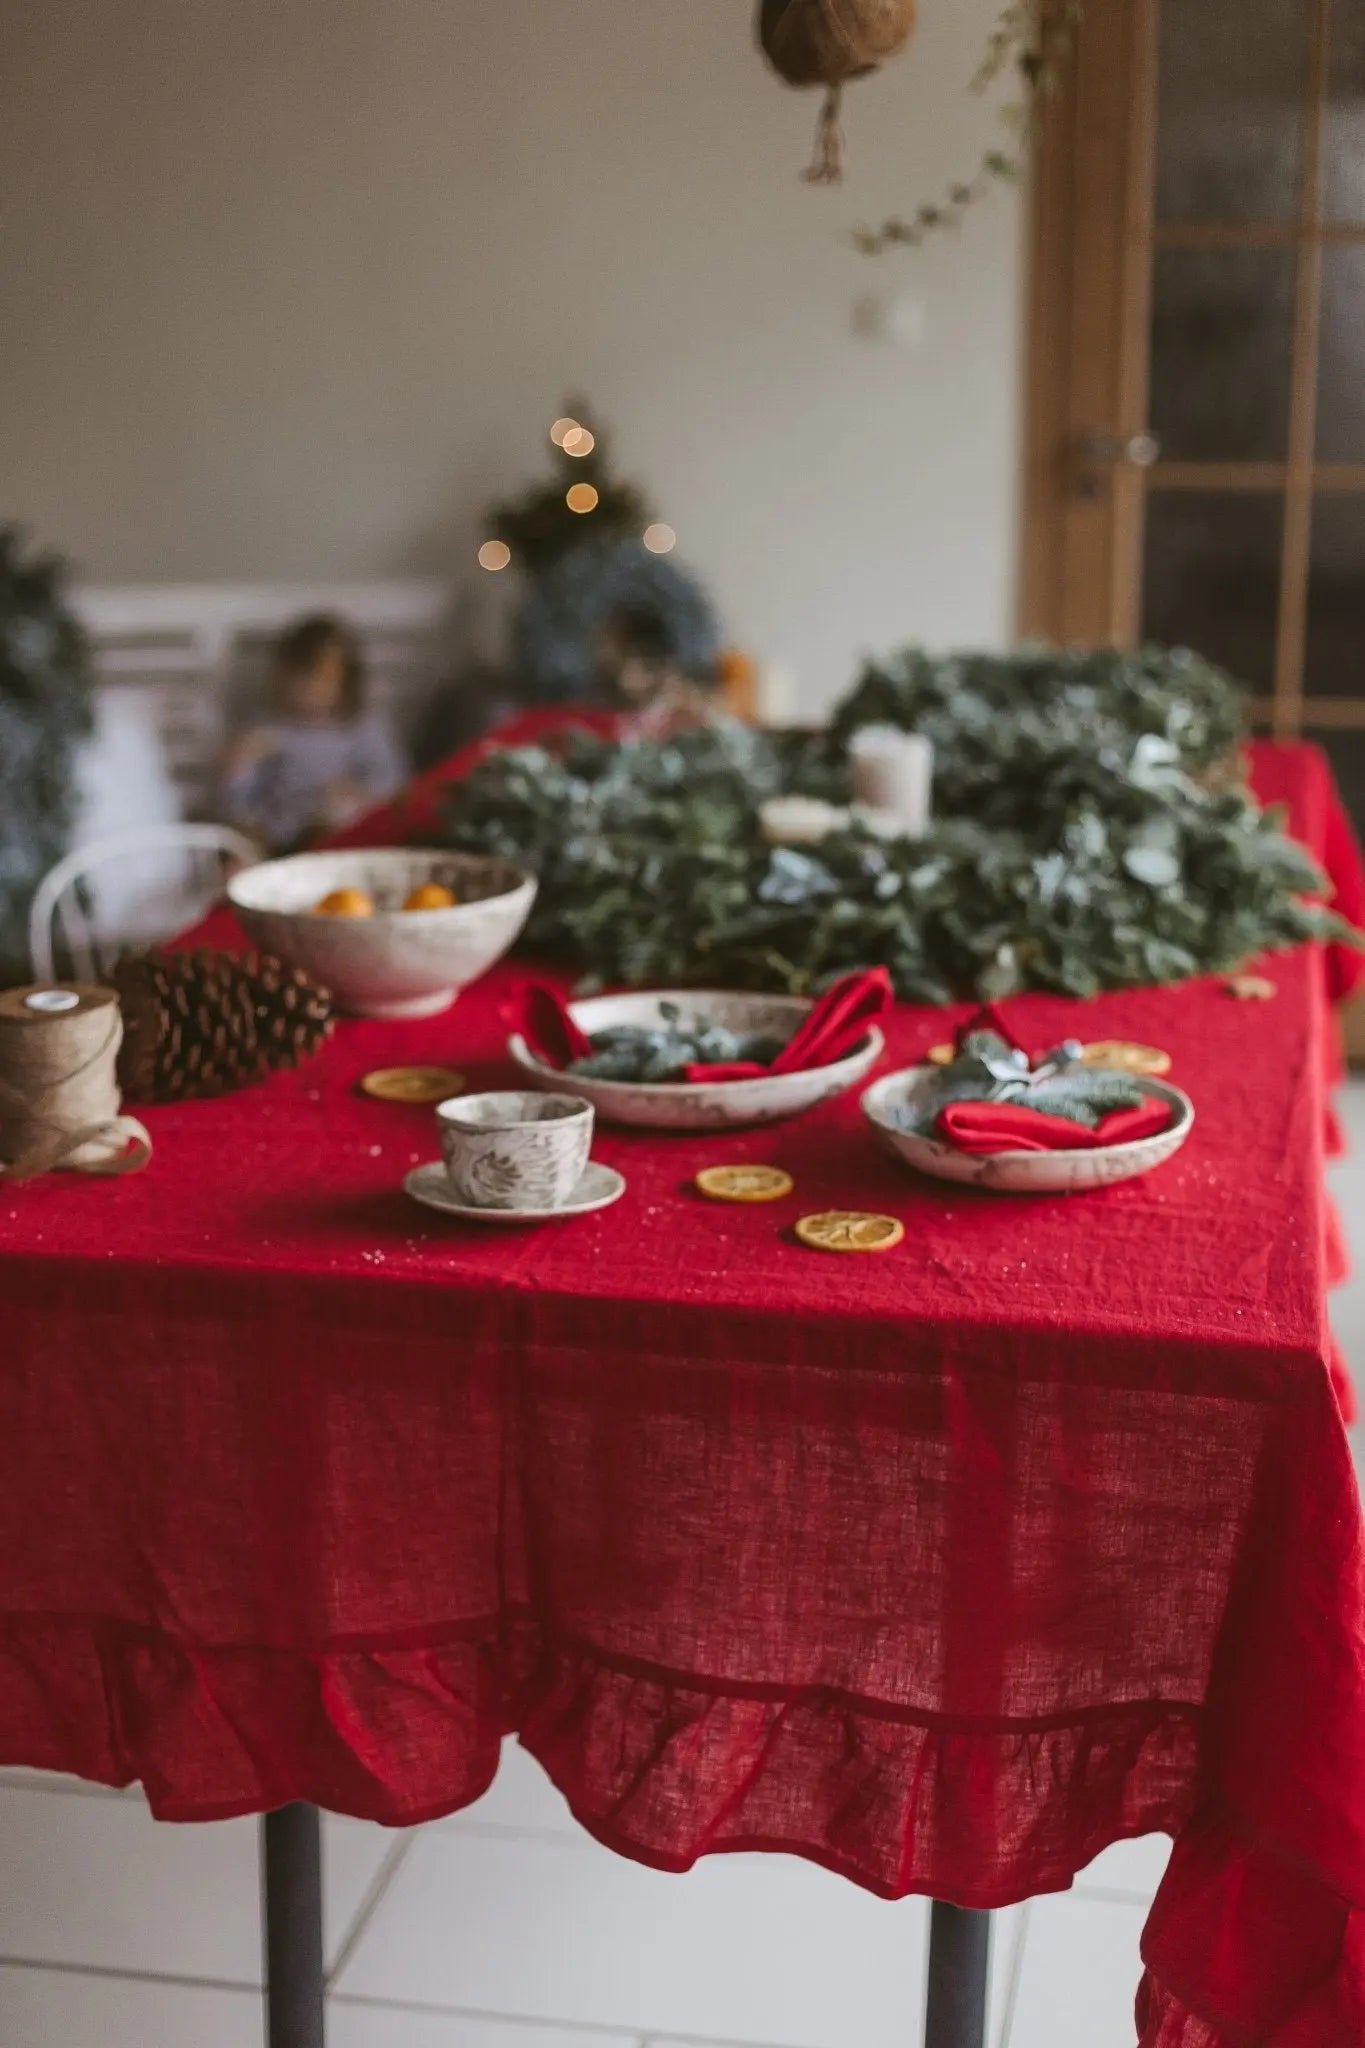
[(945, 1567)]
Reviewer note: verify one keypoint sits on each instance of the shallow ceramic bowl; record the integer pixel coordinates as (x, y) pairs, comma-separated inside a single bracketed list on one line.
[(398, 963), (701, 1105), (1023, 1173)]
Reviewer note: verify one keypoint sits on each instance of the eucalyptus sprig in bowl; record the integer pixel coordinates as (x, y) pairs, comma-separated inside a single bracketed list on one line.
[(905, 1109), (643, 1043)]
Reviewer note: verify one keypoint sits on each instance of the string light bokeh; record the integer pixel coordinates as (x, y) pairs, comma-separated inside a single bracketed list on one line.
[(574, 438)]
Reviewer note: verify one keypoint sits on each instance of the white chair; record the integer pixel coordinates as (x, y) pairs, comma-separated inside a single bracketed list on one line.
[(158, 880)]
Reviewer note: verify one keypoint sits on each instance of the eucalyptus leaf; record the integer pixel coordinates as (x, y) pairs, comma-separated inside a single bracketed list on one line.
[(1154, 865)]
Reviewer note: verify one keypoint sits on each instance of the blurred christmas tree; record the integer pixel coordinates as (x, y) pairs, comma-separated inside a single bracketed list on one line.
[(603, 617), (45, 711), (581, 499)]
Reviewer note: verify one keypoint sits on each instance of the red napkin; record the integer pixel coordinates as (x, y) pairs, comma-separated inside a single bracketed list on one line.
[(833, 1027), (542, 1017), (1010, 1127)]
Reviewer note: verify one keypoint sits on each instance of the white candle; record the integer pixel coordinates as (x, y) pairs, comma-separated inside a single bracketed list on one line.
[(778, 695), (893, 774), (799, 820)]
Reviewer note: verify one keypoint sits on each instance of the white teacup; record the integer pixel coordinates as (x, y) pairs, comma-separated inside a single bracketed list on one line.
[(514, 1148)]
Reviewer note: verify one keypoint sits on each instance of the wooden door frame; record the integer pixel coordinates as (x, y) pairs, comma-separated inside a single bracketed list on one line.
[(1090, 218), (1090, 244)]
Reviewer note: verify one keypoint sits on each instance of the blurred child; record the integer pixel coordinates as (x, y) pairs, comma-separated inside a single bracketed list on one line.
[(320, 758)]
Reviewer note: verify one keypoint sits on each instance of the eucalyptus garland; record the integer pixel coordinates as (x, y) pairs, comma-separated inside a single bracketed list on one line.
[(981, 709), (1073, 848), (1033, 42)]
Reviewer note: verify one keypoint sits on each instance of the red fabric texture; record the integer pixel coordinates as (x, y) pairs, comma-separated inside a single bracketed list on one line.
[(945, 1568), (985, 1127)]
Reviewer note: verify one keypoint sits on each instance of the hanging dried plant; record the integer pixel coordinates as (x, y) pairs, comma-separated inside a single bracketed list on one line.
[(829, 42), (1032, 41)]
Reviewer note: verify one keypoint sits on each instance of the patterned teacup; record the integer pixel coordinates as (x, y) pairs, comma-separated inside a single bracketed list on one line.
[(515, 1149)]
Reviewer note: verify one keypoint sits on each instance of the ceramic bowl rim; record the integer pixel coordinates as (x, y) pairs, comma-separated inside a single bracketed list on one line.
[(564, 1110), (1167, 1091), (867, 1049), (522, 878)]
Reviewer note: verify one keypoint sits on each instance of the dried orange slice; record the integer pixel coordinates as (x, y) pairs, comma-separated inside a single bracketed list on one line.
[(413, 1084), (745, 1183), (1122, 1057), (1251, 988), (850, 1230)]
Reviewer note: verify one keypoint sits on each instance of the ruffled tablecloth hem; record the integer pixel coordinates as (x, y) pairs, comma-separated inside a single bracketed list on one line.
[(1245, 1948), (666, 1768)]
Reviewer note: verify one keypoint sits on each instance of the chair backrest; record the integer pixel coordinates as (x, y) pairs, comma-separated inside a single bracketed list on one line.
[(133, 889)]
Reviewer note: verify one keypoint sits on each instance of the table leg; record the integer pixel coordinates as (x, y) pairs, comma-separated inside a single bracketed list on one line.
[(959, 1971), (291, 1897)]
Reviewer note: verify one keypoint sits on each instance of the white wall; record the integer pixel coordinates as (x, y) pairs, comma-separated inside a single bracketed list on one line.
[(290, 288)]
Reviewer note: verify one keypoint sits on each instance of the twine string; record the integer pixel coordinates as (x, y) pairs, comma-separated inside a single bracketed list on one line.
[(59, 1096), (827, 165)]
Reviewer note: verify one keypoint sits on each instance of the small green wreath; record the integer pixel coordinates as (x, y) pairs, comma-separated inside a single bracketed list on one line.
[(603, 599)]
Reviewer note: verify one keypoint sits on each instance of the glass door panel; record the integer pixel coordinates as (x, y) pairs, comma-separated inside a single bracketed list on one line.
[(1222, 350), (1340, 435), (1231, 93), (1343, 138), (1334, 664), (1211, 577)]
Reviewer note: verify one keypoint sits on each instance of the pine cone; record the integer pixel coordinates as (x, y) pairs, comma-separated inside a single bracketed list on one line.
[(199, 1024)]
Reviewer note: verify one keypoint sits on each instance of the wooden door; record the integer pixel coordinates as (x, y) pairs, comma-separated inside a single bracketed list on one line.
[(1196, 451)]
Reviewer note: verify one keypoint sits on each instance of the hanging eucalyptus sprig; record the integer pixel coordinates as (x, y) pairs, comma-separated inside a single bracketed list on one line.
[(1033, 41)]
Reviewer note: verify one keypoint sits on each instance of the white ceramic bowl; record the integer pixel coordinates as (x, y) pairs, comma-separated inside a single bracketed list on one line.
[(701, 1105), (1023, 1173), (398, 963)]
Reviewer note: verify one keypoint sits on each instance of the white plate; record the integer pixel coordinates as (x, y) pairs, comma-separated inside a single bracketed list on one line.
[(598, 1189), (1023, 1173), (702, 1105)]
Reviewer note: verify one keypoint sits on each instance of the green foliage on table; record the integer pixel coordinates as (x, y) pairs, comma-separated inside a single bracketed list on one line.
[(1071, 851), (983, 710), (44, 712)]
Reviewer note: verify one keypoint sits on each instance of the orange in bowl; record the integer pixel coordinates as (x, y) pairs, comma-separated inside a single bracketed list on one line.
[(345, 903), (430, 896)]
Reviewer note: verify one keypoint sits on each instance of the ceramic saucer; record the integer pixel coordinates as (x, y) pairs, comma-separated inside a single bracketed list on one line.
[(598, 1189)]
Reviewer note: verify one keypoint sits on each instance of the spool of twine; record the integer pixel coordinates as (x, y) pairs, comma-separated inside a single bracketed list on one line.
[(59, 1096)]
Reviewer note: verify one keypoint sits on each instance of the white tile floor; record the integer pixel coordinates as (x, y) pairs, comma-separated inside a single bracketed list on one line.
[(507, 1928)]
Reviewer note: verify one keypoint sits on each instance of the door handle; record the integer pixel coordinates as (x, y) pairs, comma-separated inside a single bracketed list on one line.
[(1100, 449), (1098, 453)]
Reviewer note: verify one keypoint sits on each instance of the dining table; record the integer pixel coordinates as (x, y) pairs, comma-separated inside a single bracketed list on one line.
[(945, 1567)]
